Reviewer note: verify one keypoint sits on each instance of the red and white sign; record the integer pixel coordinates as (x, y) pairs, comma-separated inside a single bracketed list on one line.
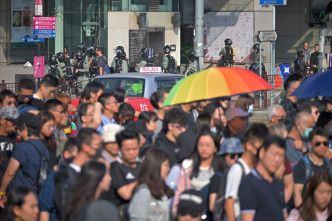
[(39, 7), (150, 69), (43, 23), (38, 67)]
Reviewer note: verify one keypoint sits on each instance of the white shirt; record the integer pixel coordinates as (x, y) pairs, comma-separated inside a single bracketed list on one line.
[(75, 167), (233, 181)]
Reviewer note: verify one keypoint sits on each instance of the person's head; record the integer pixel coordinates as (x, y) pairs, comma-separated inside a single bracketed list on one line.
[(70, 149), (230, 150), (89, 142), (92, 91), (157, 99), (154, 172), (318, 195), (276, 114), (304, 122), (292, 82), (237, 119), (64, 99), (328, 102), (305, 45), (150, 119), (319, 141), (109, 102), (109, 141), (272, 153), (28, 125), (93, 179), (228, 42), (8, 115), (167, 50), (312, 108), (191, 206), (120, 94), (47, 124), (245, 102), (217, 115), (100, 50), (325, 121), (26, 88), (126, 114), (200, 105), (128, 142), (175, 122), (316, 48), (7, 98), (85, 112), (21, 204), (256, 48), (55, 107), (253, 138), (279, 130), (48, 86)]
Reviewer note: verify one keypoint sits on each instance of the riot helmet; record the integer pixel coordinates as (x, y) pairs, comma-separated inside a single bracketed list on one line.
[(191, 55), (167, 49), (91, 50), (228, 42), (119, 50), (81, 47), (79, 55), (60, 56), (144, 52), (300, 53), (52, 59), (256, 47)]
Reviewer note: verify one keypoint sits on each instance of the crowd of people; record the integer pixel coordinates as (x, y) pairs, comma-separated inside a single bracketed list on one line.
[(203, 160)]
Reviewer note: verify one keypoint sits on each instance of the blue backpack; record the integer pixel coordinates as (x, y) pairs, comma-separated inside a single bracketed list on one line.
[(107, 67), (308, 169)]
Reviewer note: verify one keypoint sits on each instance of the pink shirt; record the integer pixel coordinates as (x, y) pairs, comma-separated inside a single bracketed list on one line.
[(295, 215)]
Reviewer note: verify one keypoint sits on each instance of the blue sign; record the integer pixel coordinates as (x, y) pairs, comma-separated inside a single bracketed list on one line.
[(44, 33), (27, 38), (273, 2)]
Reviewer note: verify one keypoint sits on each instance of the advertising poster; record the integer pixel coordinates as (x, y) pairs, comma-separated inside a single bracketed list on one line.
[(21, 19)]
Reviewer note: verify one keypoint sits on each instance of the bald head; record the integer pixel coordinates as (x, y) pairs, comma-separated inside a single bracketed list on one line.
[(304, 121)]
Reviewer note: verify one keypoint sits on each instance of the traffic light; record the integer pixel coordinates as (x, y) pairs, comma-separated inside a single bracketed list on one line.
[(318, 12)]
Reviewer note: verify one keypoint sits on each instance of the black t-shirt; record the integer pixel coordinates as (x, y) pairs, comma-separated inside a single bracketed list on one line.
[(121, 175), (299, 173), (214, 183), (7, 145), (101, 62)]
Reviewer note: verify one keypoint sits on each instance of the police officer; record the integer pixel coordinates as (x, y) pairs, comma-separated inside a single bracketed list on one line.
[(227, 55), (120, 62), (254, 60), (92, 60), (61, 65), (52, 67), (82, 48), (81, 69), (144, 61), (192, 66), (169, 62), (300, 65)]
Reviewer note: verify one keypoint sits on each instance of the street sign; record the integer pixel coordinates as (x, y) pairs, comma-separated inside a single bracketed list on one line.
[(267, 36), (39, 7), (273, 2), (43, 22), (46, 33), (28, 39)]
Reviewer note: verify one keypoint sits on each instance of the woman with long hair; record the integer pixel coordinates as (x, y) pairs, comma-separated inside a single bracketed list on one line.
[(92, 181), (197, 171), (150, 198), (317, 204), (47, 125), (21, 204)]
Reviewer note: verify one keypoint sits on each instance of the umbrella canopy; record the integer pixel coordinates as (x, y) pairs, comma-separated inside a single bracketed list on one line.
[(319, 84), (215, 82)]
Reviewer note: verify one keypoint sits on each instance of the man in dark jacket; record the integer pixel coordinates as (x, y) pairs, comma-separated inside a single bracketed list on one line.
[(314, 60)]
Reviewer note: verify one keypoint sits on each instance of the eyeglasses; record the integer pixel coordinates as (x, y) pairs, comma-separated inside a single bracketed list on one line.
[(26, 96), (179, 127), (234, 155), (318, 143), (61, 112), (192, 213)]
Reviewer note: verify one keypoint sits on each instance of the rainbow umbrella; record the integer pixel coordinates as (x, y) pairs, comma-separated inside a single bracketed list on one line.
[(215, 82)]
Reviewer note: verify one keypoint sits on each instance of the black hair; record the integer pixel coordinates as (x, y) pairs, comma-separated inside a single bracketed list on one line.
[(119, 94), (104, 98), (174, 115), (318, 131), (52, 103), (49, 80), (292, 78), (101, 49), (203, 123), (70, 145), (92, 87), (306, 106), (156, 97), (273, 139), (16, 197), (255, 132), (50, 142), (82, 109), (316, 45), (85, 136), (125, 110), (26, 83), (6, 93), (209, 109), (126, 135), (147, 116)]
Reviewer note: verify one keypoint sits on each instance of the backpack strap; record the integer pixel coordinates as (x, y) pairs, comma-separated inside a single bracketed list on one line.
[(242, 167), (329, 165), (307, 167)]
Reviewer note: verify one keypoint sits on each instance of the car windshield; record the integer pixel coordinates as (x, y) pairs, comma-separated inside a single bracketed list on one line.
[(166, 84), (133, 86)]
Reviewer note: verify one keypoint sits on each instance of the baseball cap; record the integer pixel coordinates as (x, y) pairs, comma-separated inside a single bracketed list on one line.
[(236, 112), (109, 131), (230, 145), (29, 120), (192, 200), (9, 113), (139, 127)]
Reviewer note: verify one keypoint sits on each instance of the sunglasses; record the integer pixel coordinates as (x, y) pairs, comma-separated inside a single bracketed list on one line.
[(234, 155), (26, 96), (318, 143), (192, 213)]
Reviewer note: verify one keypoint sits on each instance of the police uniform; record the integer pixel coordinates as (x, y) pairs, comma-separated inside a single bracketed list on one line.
[(143, 63), (124, 65), (223, 53), (165, 64), (83, 71)]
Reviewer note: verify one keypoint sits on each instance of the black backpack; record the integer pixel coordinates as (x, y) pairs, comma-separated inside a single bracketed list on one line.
[(219, 205), (229, 54), (45, 168), (171, 65)]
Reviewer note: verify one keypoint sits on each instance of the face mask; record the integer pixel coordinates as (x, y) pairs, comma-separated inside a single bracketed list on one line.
[(214, 130), (250, 108), (306, 133)]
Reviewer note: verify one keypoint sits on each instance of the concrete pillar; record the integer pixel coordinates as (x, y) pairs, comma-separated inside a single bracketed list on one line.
[(59, 37)]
